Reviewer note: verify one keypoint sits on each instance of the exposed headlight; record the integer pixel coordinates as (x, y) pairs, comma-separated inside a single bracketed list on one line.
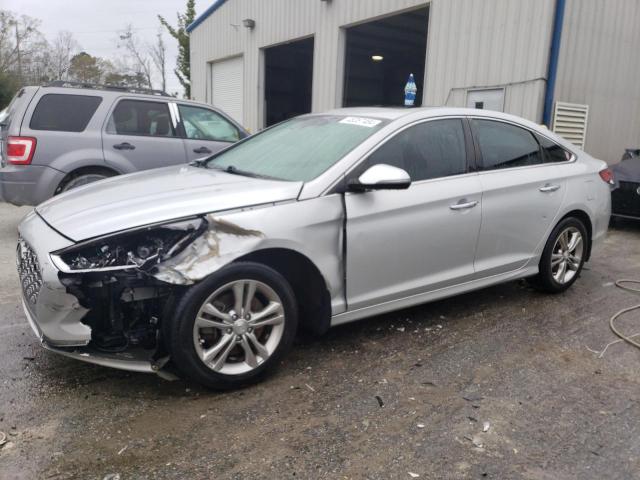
[(139, 248)]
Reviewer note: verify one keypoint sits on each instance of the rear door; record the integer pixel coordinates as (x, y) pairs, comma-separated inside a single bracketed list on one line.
[(522, 189), (206, 131), (406, 242), (142, 134)]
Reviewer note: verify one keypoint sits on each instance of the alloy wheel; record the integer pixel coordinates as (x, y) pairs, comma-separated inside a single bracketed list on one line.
[(239, 327), (566, 257)]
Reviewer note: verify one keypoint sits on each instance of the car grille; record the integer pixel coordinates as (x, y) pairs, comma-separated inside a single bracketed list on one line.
[(29, 271)]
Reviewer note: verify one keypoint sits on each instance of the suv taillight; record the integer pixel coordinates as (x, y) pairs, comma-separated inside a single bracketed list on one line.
[(607, 176), (20, 150)]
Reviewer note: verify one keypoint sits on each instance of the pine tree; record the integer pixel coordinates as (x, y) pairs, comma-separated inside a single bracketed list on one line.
[(183, 67)]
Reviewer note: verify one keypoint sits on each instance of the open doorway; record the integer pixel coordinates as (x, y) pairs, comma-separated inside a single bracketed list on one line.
[(381, 54), (288, 80)]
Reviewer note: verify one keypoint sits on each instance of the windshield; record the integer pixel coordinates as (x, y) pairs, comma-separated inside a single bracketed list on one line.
[(299, 149)]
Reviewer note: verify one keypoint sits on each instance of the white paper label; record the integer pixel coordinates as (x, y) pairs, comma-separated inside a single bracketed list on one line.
[(361, 122)]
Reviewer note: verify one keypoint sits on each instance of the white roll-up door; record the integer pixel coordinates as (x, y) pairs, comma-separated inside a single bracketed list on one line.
[(227, 87)]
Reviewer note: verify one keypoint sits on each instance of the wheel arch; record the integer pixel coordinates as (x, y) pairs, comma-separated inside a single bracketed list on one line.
[(82, 171), (305, 279), (588, 224)]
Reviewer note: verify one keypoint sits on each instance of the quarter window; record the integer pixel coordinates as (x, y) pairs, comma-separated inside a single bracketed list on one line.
[(64, 113), (553, 152), (506, 146), (429, 150), (134, 117), (204, 124)]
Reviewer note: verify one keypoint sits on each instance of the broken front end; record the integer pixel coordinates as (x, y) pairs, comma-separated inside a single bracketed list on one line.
[(103, 300)]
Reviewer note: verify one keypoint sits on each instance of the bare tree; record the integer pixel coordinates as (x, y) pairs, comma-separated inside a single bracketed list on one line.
[(142, 64), (64, 45), (158, 52), (19, 40)]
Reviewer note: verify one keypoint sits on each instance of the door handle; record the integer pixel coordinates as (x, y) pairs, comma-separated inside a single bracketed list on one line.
[(463, 205), (549, 188), (201, 150), (124, 146)]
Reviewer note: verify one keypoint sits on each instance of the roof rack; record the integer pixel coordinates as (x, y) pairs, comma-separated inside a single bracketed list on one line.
[(98, 86)]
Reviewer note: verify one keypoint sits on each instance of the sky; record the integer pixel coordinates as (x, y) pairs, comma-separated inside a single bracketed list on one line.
[(95, 23)]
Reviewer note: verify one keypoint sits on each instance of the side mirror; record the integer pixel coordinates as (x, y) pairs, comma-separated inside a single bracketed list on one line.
[(381, 177)]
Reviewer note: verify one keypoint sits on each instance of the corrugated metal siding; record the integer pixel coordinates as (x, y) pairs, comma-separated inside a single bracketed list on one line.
[(472, 43), (600, 67), (482, 43)]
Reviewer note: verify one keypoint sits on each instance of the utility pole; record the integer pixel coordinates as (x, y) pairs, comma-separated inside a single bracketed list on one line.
[(19, 54)]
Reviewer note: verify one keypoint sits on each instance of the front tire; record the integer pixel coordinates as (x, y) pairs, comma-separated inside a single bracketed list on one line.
[(563, 256), (233, 327)]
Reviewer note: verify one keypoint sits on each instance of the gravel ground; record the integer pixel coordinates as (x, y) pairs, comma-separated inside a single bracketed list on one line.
[(396, 396)]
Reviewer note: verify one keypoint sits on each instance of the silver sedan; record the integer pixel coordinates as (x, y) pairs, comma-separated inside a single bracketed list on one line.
[(321, 220)]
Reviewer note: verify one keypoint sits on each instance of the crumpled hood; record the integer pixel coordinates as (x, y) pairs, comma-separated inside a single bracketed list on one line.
[(159, 195)]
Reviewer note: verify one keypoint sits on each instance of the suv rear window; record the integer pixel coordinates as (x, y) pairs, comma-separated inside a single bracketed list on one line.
[(64, 113)]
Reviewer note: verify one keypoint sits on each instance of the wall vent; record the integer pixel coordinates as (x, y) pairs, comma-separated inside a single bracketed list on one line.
[(570, 122)]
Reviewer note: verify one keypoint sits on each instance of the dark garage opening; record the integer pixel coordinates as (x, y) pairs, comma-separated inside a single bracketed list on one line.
[(401, 41), (288, 80)]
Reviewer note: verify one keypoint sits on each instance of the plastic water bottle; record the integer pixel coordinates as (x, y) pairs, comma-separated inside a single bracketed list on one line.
[(410, 91)]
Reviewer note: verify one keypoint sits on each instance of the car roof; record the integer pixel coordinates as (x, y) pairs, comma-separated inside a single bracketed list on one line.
[(105, 92), (394, 113), (418, 113)]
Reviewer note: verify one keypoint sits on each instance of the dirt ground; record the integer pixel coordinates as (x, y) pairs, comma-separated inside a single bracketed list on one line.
[(396, 396)]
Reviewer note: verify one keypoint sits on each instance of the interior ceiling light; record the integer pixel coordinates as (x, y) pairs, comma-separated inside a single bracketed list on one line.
[(377, 58)]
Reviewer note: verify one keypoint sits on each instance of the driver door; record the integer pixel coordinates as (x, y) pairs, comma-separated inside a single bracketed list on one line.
[(405, 242)]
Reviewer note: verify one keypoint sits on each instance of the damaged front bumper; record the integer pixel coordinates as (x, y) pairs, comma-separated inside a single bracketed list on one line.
[(57, 317), (102, 301), (56, 314), (140, 361)]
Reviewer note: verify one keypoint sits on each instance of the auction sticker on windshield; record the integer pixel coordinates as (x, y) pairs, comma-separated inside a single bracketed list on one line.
[(361, 122)]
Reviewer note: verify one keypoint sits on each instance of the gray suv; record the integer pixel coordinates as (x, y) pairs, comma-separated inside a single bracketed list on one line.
[(63, 135)]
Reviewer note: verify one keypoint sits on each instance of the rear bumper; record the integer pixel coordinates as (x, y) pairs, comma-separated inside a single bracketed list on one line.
[(28, 184)]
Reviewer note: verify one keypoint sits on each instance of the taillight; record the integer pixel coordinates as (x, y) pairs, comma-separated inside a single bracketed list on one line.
[(20, 150), (607, 176)]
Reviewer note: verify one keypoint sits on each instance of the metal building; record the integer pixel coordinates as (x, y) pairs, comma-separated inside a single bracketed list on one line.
[(572, 64)]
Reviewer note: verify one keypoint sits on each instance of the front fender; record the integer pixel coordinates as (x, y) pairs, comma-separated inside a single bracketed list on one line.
[(312, 228)]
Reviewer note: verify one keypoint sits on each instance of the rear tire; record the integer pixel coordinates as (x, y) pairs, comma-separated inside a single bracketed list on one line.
[(76, 180), (234, 327), (563, 257)]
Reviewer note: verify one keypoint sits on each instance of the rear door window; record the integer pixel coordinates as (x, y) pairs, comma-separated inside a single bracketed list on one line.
[(204, 124), (553, 152), (64, 113), (137, 117), (505, 146)]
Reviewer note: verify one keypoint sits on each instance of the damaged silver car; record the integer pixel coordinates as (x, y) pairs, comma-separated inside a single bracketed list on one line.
[(318, 221)]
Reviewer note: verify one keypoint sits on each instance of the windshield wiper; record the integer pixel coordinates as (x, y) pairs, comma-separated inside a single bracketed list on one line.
[(200, 163), (233, 170)]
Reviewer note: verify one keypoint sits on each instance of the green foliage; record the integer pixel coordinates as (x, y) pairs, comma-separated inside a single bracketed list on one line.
[(136, 80), (183, 67), (9, 85), (85, 68)]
